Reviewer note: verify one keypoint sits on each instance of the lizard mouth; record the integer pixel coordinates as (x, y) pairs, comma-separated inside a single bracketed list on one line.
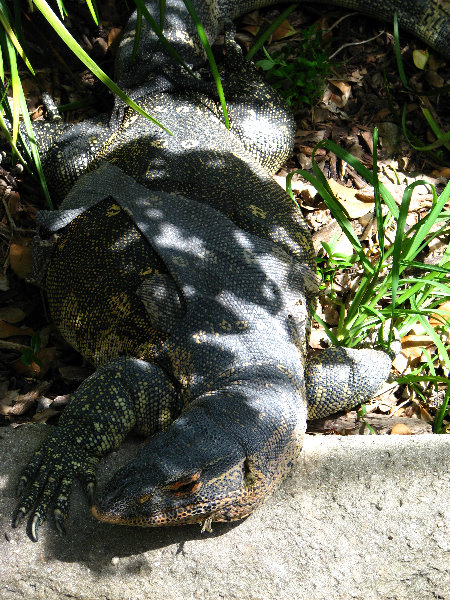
[(187, 515), (188, 512), (187, 500)]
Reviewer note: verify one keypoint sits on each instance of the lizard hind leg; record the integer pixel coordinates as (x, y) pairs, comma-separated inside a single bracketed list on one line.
[(340, 378)]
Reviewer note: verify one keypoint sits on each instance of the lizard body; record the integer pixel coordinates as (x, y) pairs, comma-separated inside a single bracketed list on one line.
[(182, 271)]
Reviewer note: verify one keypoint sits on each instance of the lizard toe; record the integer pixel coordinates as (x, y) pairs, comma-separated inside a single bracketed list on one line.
[(34, 525)]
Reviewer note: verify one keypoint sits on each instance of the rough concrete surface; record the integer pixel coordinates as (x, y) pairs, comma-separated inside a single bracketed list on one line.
[(361, 517)]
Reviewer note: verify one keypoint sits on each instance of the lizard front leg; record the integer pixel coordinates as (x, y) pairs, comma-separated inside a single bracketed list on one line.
[(123, 395)]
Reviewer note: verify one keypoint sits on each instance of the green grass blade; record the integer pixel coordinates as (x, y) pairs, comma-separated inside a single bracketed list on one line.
[(4, 20), (26, 158), (339, 213), (162, 13), (320, 183), (419, 378), (2, 69), (424, 285), (430, 331), (67, 38), (437, 425), (373, 311), (215, 72), (414, 312), (445, 288), (398, 244), (361, 170), (398, 54), (443, 230), (157, 30), (137, 34), (268, 32), (93, 10), (441, 141), (418, 265), (9, 139), (15, 87), (330, 334), (428, 222), (34, 149), (62, 9), (377, 197), (22, 106), (434, 126)]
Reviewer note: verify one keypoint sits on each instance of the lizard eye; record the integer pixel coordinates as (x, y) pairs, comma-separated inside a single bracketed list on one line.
[(186, 485), (144, 498)]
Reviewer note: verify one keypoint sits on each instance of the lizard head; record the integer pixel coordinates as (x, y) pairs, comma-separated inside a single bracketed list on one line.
[(193, 472)]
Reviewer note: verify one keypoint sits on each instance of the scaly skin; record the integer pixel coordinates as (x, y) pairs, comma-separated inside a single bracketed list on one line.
[(192, 300)]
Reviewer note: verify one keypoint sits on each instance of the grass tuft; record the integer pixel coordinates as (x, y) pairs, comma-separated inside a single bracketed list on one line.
[(394, 285), (299, 80)]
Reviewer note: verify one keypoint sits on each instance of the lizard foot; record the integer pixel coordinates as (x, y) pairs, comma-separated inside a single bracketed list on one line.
[(49, 476)]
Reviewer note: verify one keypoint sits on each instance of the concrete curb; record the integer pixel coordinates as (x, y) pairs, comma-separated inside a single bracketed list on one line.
[(362, 517)]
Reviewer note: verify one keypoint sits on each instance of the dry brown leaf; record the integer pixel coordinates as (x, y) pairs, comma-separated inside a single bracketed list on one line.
[(253, 29), (12, 314), (61, 400), (7, 330), (20, 259), (400, 362), (14, 203), (345, 89), (437, 320), (32, 93), (16, 404), (8, 401), (20, 406), (401, 429), (318, 338), (297, 185), (420, 59), (412, 350), (354, 203), (435, 79), (425, 415), (342, 86), (442, 172), (45, 356), (114, 37), (412, 345), (44, 415), (285, 29)]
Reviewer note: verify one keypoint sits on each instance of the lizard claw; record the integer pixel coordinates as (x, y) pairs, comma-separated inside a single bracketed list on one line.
[(20, 515), (21, 485), (36, 521), (59, 522), (90, 492)]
